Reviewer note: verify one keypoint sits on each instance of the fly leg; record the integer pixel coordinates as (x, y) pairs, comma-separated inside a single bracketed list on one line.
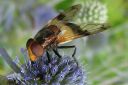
[(48, 56), (57, 53), (74, 52)]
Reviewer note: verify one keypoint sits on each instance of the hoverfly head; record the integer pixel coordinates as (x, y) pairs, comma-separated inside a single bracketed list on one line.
[(34, 49)]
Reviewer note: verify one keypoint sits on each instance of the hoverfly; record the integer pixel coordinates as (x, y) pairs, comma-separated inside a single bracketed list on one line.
[(60, 30)]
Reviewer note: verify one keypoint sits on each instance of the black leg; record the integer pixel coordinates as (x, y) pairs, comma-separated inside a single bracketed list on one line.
[(74, 52), (48, 56), (64, 47), (57, 53)]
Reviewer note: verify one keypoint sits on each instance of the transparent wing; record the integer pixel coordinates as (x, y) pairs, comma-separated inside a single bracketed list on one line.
[(69, 13), (93, 28), (65, 17), (72, 31)]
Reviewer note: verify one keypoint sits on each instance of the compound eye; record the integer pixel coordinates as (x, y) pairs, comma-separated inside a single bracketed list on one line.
[(35, 50)]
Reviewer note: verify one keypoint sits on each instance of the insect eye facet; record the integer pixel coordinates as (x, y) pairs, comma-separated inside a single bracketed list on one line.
[(35, 50)]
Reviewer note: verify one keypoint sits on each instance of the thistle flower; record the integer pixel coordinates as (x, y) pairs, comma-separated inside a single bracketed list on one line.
[(52, 71), (92, 11)]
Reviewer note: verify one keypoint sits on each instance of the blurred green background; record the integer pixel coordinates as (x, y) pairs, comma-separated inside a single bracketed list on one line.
[(104, 56)]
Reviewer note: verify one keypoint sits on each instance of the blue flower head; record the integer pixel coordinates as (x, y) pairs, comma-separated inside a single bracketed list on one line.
[(52, 71)]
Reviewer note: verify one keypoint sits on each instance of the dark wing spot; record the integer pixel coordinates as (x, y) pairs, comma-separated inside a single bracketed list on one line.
[(60, 16), (86, 32), (75, 28)]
